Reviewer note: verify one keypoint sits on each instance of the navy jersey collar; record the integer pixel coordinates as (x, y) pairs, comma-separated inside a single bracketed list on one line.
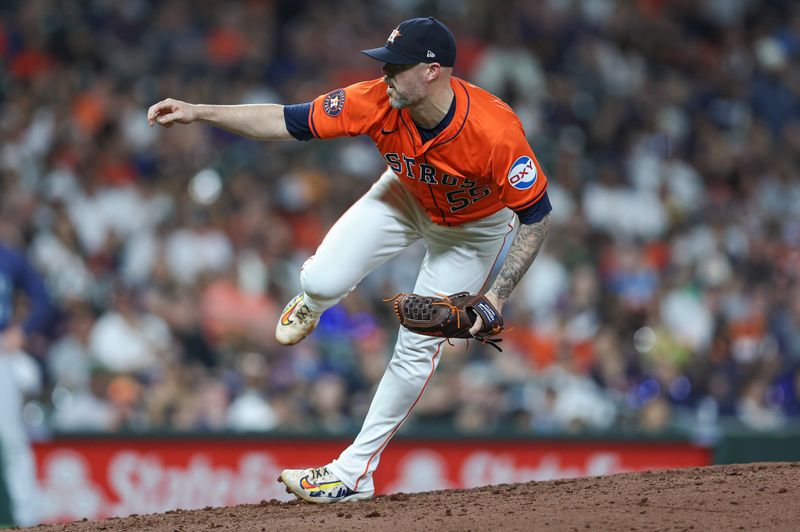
[(429, 133)]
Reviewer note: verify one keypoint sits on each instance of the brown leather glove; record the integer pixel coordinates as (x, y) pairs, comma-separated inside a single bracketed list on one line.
[(449, 316)]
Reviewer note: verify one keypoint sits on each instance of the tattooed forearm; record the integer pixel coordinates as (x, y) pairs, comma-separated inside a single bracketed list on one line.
[(523, 250)]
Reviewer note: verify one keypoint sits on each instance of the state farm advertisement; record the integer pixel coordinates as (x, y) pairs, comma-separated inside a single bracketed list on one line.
[(97, 478)]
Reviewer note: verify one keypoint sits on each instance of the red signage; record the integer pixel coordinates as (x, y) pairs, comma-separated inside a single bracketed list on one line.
[(107, 477)]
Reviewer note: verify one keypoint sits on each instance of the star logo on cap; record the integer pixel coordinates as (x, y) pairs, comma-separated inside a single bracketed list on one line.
[(392, 36)]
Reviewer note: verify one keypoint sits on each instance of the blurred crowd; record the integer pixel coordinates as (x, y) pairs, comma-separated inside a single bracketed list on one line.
[(668, 293)]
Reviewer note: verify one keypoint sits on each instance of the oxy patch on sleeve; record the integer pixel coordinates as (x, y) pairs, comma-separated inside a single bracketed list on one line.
[(523, 173)]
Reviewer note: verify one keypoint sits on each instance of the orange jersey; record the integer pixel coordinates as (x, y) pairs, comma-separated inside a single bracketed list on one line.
[(480, 163)]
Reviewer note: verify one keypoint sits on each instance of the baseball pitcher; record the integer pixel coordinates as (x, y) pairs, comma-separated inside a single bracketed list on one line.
[(460, 174)]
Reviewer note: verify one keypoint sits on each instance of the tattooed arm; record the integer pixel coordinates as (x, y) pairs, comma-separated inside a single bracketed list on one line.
[(523, 250)]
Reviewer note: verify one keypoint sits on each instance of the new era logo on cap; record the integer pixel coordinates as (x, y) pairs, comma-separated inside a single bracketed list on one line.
[(424, 40)]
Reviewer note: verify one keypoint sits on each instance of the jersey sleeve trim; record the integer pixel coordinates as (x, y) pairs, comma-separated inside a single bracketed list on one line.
[(534, 213), (296, 120), (311, 122), (531, 202)]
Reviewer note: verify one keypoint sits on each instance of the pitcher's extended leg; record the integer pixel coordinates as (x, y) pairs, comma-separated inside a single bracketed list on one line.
[(458, 259)]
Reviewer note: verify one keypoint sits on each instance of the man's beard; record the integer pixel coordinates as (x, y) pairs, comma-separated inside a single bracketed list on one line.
[(399, 101)]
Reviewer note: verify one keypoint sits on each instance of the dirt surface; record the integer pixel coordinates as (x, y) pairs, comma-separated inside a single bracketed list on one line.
[(731, 497)]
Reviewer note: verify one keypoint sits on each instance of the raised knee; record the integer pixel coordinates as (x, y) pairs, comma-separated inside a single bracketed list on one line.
[(321, 284)]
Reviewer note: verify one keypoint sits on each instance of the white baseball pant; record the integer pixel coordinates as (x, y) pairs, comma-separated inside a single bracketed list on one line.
[(386, 220), (18, 463)]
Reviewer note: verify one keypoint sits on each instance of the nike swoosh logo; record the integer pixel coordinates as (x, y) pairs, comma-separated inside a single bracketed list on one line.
[(384, 132), (305, 484), (285, 318)]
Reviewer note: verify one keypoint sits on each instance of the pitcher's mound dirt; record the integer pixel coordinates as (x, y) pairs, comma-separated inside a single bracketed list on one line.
[(731, 497)]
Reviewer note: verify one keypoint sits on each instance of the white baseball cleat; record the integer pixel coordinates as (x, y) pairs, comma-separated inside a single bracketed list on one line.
[(297, 322), (318, 485)]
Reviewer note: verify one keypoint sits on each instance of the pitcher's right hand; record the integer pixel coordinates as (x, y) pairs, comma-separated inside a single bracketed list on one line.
[(168, 112)]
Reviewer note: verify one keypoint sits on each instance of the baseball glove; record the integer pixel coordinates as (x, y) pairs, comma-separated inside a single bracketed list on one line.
[(449, 316)]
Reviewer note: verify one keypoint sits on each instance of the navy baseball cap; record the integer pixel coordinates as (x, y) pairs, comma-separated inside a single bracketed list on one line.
[(417, 40)]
